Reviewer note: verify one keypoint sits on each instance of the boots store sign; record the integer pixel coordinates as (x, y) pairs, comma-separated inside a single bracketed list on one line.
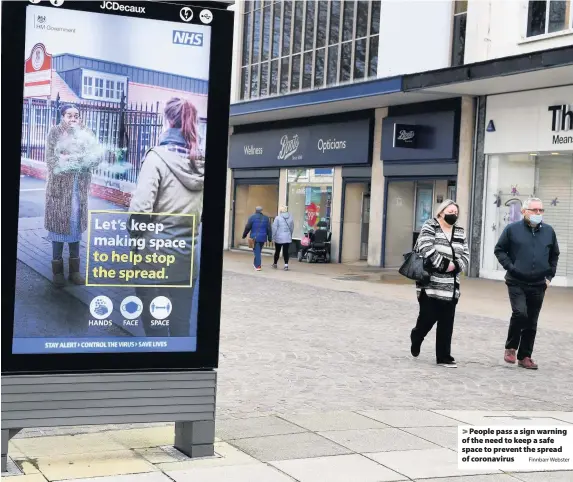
[(316, 145)]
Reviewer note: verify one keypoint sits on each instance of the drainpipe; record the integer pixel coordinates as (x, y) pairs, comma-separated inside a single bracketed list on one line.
[(477, 106)]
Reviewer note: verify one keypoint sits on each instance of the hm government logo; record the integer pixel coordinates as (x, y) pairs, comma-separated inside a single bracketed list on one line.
[(116, 6), (192, 39), (41, 19), (289, 147)]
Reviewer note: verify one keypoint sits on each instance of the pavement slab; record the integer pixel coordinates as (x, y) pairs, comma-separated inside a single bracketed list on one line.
[(293, 446), (323, 421), (410, 418), (153, 477), (339, 468), (560, 476), (418, 464), (241, 473), (255, 427), (446, 437), (377, 440), (98, 464)]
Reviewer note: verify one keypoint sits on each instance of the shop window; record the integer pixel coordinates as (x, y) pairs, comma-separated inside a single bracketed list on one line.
[(322, 23), (287, 26), (256, 36), (295, 73), (307, 75), (309, 26), (297, 35), (319, 68), (334, 34), (332, 73), (346, 62), (373, 57), (309, 198), (348, 21), (459, 33), (266, 33), (513, 178), (264, 78), (247, 24), (548, 16), (274, 76), (275, 51)]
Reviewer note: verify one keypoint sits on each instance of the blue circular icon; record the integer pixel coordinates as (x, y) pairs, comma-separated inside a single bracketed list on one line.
[(131, 307), (101, 307)]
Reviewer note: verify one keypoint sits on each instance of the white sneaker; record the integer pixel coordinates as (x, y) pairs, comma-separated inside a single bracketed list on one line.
[(452, 364)]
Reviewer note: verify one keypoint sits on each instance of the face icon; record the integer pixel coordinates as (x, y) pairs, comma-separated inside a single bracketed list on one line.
[(72, 117)]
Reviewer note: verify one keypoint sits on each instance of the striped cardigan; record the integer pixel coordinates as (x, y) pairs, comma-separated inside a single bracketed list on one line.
[(439, 251)]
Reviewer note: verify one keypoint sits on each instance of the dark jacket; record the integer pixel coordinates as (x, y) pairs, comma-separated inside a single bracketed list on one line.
[(259, 226), (529, 255)]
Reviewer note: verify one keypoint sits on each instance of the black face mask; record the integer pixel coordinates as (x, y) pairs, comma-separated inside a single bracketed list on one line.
[(450, 219)]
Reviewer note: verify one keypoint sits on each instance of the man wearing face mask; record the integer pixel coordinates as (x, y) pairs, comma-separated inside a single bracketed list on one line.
[(529, 252)]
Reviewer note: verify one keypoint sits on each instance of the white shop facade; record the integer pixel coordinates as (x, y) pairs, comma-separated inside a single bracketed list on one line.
[(529, 152)]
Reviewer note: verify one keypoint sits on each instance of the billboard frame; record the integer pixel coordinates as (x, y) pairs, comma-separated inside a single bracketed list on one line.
[(218, 105)]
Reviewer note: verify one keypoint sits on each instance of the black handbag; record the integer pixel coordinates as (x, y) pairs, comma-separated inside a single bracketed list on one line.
[(414, 267)]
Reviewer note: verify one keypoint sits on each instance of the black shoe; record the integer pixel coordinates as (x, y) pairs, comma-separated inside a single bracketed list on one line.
[(415, 347), (274, 266)]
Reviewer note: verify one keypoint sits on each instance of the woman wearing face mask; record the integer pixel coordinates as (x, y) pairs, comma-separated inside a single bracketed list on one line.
[(71, 152), (442, 244)]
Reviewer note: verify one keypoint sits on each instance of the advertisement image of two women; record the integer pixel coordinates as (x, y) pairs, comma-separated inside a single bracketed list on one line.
[(116, 138)]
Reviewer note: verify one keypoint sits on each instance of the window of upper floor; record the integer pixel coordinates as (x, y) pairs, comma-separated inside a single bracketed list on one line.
[(291, 45), (459, 32), (549, 16)]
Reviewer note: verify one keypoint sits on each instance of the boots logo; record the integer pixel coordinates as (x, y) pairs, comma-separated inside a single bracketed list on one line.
[(288, 147), (405, 135), (121, 8)]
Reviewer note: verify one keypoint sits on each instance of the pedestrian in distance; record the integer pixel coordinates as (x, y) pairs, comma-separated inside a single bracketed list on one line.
[(443, 245), (259, 227), (283, 227), (529, 252)]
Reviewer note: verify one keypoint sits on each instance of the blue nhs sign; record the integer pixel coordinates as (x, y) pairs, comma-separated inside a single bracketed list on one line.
[(192, 39)]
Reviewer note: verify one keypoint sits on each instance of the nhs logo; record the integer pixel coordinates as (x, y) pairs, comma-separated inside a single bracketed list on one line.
[(192, 39)]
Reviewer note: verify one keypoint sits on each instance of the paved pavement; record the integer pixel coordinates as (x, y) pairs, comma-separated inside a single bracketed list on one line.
[(316, 384)]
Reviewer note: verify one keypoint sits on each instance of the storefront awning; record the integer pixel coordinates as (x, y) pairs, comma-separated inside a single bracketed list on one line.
[(549, 68), (536, 70)]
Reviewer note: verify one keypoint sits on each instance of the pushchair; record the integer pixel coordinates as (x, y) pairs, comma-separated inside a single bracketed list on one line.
[(318, 245)]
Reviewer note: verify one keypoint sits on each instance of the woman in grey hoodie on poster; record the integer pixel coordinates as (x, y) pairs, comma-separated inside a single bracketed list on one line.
[(283, 227)]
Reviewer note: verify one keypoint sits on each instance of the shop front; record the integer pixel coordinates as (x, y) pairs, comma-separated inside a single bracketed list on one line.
[(529, 153), (305, 167), (420, 164)]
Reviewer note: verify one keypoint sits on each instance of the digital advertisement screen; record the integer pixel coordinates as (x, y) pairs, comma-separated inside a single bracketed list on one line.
[(112, 181)]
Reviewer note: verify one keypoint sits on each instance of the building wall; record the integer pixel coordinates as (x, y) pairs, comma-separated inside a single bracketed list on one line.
[(498, 29), (465, 161), (376, 194), (415, 36)]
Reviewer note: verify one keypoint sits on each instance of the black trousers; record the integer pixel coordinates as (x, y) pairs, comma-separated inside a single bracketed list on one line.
[(443, 312), (180, 317), (526, 302), (285, 247)]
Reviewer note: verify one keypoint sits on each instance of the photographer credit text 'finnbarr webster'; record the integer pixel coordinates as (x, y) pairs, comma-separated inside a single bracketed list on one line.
[(112, 179)]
